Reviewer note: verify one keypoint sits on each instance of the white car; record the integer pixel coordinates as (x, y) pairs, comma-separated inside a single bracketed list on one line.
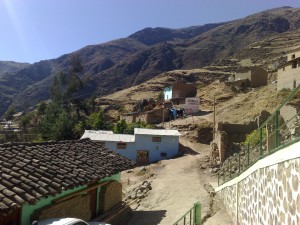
[(68, 221)]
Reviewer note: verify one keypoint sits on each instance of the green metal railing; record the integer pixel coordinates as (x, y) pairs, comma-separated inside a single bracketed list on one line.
[(274, 134), (191, 217)]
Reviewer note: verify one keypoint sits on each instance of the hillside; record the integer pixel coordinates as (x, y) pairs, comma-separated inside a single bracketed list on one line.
[(259, 39)]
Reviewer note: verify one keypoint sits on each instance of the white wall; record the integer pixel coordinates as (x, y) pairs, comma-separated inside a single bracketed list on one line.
[(168, 144)]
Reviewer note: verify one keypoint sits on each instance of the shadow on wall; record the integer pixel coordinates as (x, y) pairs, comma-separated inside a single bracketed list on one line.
[(146, 217)]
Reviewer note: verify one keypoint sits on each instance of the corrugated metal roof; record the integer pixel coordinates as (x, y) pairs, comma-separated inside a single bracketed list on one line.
[(160, 132), (109, 136)]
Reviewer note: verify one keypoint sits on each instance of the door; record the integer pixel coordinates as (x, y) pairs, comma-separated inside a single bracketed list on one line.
[(142, 157), (93, 203)]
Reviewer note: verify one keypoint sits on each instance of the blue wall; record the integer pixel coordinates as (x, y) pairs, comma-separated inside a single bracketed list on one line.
[(168, 144)]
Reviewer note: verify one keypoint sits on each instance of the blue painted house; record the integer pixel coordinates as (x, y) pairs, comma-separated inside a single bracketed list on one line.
[(145, 146)]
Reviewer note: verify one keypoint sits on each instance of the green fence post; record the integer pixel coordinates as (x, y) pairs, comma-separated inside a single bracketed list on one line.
[(248, 155), (260, 143), (223, 175), (197, 207), (276, 129)]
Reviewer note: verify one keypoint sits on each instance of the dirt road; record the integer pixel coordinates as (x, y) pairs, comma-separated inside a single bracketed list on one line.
[(176, 185)]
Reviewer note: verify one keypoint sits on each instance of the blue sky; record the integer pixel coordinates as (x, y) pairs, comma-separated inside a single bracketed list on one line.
[(34, 30)]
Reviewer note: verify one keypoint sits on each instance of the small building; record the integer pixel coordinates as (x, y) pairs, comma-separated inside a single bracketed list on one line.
[(288, 75), (154, 116), (192, 105), (177, 92), (145, 146), (58, 179), (254, 77)]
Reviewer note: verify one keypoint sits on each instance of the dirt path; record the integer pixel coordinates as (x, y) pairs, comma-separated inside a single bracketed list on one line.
[(176, 185)]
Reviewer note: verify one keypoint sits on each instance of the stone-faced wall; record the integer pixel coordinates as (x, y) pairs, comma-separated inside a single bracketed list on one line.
[(268, 192)]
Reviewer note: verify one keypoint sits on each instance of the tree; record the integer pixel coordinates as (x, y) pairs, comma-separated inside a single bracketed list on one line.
[(56, 124), (9, 115), (96, 121)]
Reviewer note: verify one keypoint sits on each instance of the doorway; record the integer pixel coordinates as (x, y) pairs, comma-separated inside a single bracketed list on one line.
[(142, 157)]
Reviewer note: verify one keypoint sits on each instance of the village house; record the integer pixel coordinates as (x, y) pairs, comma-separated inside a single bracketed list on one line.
[(154, 116), (288, 75), (254, 77), (58, 179), (177, 92), (145, 146)]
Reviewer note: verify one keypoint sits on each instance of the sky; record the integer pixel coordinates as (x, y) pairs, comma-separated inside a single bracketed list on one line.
[(34, 30)]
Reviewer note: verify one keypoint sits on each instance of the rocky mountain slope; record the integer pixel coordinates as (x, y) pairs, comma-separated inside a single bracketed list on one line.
[(260, 39)]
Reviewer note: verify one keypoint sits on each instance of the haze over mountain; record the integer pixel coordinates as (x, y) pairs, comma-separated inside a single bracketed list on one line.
[(261, 38)]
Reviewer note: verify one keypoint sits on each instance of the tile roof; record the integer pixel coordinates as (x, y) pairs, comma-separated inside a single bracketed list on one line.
[(32, 171)]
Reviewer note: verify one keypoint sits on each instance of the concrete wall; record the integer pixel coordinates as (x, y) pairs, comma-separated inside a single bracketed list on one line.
[(268, 192), (129, 152), (288, 77), (168, 144)]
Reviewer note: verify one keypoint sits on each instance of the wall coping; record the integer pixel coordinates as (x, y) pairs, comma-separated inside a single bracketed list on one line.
[(287, 153)]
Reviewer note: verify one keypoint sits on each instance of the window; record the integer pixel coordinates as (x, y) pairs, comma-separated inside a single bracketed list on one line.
[(163, 154), (121, 145), (293, 56), (294, 64), (156, 139)]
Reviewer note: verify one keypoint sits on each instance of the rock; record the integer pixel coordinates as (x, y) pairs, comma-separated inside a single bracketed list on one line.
[(133, 195)]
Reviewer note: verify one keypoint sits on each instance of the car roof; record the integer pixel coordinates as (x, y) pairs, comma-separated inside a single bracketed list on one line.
[(59, 221)]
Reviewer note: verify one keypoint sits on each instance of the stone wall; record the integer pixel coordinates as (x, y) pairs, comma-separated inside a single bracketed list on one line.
[(268, 192)]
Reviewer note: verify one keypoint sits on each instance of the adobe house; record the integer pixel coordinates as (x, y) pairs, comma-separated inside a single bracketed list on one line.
[(145, 146), (177, 92), (58, 179), (254, 77), (288, 75), (154, 116), (227, 133)]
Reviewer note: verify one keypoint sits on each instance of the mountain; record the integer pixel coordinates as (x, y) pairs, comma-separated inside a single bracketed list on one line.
[(259, 39), (11, 67)]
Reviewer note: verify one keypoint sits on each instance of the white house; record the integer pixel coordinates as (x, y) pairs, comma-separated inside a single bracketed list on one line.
[(146, 145)]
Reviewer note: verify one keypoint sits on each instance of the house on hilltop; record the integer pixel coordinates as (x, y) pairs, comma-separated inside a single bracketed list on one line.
[(254, 77), (145, 146), (288, 75), (58, 179)]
